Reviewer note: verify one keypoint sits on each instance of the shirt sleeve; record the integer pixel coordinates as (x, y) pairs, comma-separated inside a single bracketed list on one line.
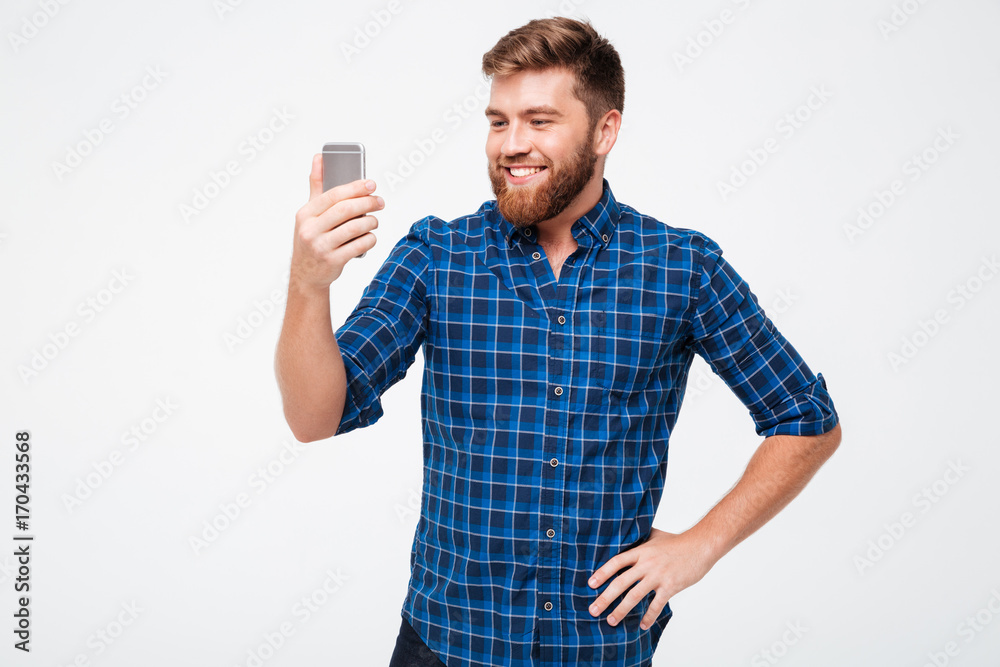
[(379, 340), (732, 333)]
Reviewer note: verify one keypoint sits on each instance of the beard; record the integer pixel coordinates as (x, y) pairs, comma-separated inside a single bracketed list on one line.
[(526, 205)]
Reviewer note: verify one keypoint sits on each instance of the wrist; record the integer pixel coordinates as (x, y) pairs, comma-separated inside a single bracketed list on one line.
[(306, 290), (712, 543)]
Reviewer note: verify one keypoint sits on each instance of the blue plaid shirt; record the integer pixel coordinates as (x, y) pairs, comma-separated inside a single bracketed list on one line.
[(547, 408)]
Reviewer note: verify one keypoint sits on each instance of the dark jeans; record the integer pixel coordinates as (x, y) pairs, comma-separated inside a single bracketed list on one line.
[(411, 651)]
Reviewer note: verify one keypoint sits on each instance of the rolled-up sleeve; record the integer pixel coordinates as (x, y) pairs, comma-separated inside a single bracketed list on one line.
[(743, 347), (380, 338)]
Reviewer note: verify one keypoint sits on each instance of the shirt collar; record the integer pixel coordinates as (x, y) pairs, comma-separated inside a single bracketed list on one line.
[(599, 221)]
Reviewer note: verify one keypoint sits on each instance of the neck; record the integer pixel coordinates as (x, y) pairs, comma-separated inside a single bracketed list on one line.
[(558, 231)]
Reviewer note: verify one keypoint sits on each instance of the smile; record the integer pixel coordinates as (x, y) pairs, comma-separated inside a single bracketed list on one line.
[(519, 174)]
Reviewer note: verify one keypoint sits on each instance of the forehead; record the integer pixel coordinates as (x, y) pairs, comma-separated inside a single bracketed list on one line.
[(552, 87)]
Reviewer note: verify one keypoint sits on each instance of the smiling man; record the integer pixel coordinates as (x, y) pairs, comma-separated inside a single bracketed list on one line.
[(558, 326)]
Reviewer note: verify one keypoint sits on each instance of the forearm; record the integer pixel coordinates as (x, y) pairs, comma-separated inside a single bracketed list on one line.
[(309, 367), (779, 469)]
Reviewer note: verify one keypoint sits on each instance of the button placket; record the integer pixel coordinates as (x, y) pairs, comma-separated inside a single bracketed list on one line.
[(561, 297)]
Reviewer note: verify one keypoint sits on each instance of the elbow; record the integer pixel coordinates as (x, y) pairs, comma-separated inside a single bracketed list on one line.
[(834, 436), (827, 443), (308, 436), (306, 430)]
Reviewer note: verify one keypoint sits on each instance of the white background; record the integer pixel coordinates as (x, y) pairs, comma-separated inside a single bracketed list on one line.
[(338, 515)]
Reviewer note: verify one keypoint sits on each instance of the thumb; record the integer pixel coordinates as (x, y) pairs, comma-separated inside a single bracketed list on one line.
[(316, 177)]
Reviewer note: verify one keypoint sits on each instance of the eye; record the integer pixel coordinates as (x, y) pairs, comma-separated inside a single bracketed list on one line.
[(540, 121), (497, 123)]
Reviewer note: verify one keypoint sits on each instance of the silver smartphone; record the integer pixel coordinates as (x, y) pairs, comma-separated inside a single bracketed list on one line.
[(343, 162)]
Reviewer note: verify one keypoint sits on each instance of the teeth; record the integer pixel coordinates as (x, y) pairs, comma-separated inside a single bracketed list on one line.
[(524, 171)]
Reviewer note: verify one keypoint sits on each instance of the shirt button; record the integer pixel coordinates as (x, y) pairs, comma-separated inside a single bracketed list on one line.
[(548, 606), (561, 320), (536, 255), (527, 231), (558, 391), (605, 237), (550, 532), (553, 462)]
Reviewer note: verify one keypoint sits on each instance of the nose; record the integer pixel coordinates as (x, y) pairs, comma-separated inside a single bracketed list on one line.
[(515, 140)]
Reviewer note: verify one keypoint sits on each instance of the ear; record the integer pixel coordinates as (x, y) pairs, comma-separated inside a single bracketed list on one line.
[(606, 131)]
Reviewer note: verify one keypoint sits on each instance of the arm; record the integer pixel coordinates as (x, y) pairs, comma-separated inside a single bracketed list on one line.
[(668, 563), (307, 361), (308, 366), (779, 469), (788, 404)]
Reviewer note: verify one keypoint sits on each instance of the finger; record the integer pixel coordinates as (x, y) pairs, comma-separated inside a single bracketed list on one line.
[(638, 592), (347, 210), (613, 565), (324, 200), (614, 589), (357, 246), (655, 608), (352, 229), (316, 176), (325, 241)]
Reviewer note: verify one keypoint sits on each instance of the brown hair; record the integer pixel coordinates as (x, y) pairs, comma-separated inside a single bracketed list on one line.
[(564, 42)]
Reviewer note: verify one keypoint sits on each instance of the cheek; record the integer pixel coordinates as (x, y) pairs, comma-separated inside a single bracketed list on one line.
[(551, 148), (493, 144)]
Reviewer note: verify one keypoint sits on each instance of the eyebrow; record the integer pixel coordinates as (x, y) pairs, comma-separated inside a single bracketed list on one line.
[(543, 109)]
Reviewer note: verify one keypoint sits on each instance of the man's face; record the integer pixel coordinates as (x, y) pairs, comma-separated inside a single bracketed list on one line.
[(539, 150)]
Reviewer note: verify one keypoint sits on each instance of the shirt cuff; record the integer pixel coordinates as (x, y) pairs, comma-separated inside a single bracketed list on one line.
[(362, 406), (809, 411)]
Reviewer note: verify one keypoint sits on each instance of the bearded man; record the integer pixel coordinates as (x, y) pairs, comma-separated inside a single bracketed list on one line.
[(558, 326)]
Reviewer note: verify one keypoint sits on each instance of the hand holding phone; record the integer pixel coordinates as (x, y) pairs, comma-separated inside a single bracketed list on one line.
[(333, 227)]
